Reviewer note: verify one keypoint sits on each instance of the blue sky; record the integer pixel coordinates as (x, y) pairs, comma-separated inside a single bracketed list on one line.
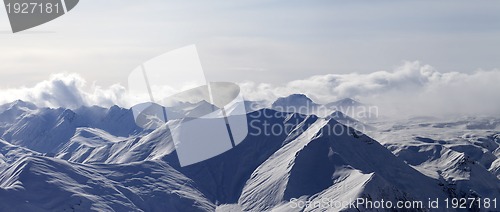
[(260, 41)]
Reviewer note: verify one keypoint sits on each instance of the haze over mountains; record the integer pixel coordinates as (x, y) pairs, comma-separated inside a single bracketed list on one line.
[(411, 88), (94, 158)]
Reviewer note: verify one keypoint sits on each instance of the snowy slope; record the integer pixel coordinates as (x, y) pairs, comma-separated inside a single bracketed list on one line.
[(10, 153), (222, 178), (85, 140), (464, 158), (47, 184), (46, 130), (320, 164)]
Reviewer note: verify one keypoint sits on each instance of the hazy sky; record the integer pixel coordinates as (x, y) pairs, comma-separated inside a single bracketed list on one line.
[(261, 41)]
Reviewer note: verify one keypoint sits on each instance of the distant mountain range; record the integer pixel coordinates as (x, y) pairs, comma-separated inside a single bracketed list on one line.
[(97, 159), (300, 103)]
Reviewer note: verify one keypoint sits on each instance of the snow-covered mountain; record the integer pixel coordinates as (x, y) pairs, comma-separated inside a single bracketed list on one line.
[(296, 103), (464, 160), (354, 109), (97, 159), (345, 102), (300, 103), (36, 183), (46, 130)]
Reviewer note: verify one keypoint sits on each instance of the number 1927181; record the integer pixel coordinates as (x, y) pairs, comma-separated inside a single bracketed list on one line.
[(466, 203), (31, 8)]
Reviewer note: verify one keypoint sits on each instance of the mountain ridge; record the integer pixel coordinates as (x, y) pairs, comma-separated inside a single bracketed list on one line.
[(310, 159)]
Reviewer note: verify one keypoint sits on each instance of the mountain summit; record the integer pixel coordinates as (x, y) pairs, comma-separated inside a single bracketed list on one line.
[(346, 102), (297, 103)]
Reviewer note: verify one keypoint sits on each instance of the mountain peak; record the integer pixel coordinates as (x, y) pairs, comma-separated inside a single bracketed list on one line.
[(19, 104), (295, 103), (294, 100), (346, 102), (298, 96)]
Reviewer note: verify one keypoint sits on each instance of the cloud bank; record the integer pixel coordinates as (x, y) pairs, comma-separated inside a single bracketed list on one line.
[(410, 89), (67, 91)]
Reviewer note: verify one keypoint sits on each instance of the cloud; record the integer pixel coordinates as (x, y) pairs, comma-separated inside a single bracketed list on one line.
[(68, 91), (410, 89)]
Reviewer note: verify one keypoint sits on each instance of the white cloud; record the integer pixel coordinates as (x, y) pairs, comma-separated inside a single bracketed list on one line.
[(68, 91), (410, 89)]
